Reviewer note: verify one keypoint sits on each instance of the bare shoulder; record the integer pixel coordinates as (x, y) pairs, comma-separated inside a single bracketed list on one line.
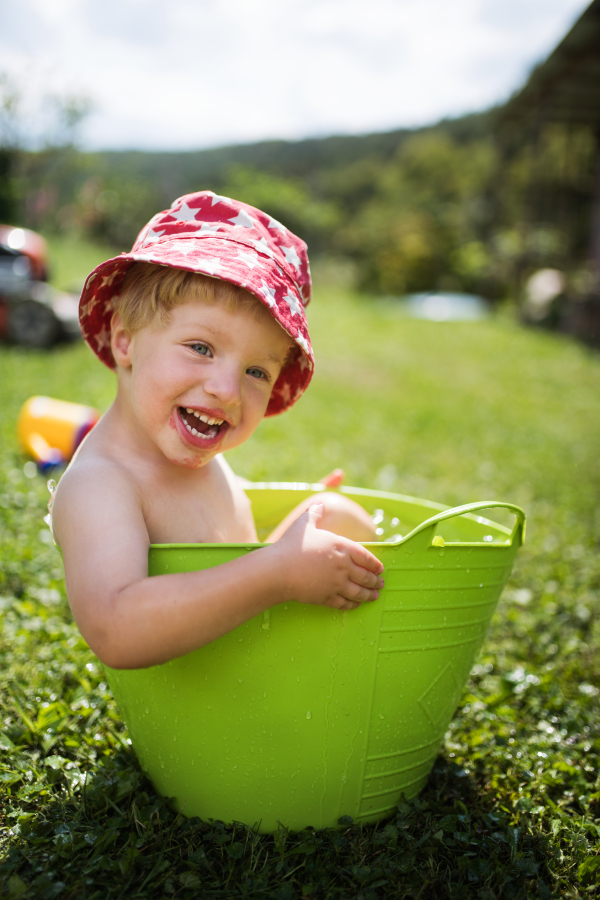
[(93, 488)]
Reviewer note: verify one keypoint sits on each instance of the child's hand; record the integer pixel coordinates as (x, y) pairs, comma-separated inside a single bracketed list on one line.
[(326, 569)]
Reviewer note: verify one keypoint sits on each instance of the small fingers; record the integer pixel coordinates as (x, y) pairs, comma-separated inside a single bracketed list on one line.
[(339, 602), (360, 594), (365, 578), (362, 557)]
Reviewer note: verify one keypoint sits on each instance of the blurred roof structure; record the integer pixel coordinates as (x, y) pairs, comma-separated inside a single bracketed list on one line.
[(566, 87)]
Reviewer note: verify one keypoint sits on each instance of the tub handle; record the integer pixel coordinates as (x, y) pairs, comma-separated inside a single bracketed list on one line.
[(424, 533)]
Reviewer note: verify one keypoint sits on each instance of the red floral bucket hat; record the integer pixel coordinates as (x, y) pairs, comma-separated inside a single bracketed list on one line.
[(226, 239)]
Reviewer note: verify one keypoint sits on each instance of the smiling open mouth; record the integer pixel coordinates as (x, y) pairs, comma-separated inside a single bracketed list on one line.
[(200, 425)]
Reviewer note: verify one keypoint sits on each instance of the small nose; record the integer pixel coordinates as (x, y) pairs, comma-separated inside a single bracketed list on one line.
[(224, 383)]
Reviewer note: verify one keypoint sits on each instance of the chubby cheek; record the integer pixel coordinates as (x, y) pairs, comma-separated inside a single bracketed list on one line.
[(149, 403), (253, 414), (153, 395)]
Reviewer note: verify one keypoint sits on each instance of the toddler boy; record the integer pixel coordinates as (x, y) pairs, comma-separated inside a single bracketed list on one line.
[(204, 324)]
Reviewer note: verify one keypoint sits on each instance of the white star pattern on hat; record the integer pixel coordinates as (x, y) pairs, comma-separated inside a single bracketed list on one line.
[(303, 343), (268, 293), (248, 258), (144, 257), (291, 256), (107, 280), (209, 265), (294, 305), (184, 214), (218, 199), (153, 236), (243, 219), (263, 247), (186, 248), (103, 338), (142, 235), (208, 228), (276, 226)]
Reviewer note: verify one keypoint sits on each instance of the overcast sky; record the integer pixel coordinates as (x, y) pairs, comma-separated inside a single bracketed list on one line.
[(186, 74)]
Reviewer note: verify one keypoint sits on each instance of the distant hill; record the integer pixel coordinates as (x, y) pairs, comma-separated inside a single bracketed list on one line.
[(176, 173)]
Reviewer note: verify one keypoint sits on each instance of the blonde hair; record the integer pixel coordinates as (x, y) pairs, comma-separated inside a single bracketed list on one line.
[(149, 292)]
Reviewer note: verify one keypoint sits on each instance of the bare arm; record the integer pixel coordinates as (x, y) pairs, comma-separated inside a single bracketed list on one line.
[(132, 621)]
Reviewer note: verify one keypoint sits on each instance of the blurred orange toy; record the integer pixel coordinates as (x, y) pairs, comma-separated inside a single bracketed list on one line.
[(50, 431)]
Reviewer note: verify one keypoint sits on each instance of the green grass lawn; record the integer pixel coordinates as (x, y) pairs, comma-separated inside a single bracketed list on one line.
[(450, 412)]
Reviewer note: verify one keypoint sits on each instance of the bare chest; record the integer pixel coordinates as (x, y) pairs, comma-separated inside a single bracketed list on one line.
[(207, 510)]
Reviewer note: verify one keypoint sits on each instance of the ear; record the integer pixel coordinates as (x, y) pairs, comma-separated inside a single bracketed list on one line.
[(120, 342)]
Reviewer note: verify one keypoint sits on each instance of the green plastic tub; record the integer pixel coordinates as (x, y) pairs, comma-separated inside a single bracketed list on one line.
[(303, 715)]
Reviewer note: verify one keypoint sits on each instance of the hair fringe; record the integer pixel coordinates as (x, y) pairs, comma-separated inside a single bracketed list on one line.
[(150, 292)]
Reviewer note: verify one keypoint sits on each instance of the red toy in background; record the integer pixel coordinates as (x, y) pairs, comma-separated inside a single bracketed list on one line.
[(32, 313)]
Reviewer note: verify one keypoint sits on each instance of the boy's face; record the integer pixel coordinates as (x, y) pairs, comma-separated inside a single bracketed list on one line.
[(202, 383)]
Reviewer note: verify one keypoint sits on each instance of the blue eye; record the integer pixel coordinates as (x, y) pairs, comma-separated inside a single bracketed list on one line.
[(257, 373), (200, 349)]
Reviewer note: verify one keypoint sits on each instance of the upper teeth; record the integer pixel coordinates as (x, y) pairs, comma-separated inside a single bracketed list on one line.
[(203, 418)]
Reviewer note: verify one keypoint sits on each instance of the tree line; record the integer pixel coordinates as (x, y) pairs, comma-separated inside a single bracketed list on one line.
[(462, 205)]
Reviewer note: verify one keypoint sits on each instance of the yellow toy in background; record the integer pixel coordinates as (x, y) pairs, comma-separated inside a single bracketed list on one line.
[(50, 431)]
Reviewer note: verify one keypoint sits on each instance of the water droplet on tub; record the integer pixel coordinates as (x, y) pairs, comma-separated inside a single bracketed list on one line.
[(309, 715), (292, 659), (381, 717), (395, 521), (240, 680), (266, 622)]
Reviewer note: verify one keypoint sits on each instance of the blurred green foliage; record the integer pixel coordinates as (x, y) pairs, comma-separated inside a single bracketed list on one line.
[(461, 205)]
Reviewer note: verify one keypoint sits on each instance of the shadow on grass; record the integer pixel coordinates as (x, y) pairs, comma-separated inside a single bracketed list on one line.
[(108, 835)]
